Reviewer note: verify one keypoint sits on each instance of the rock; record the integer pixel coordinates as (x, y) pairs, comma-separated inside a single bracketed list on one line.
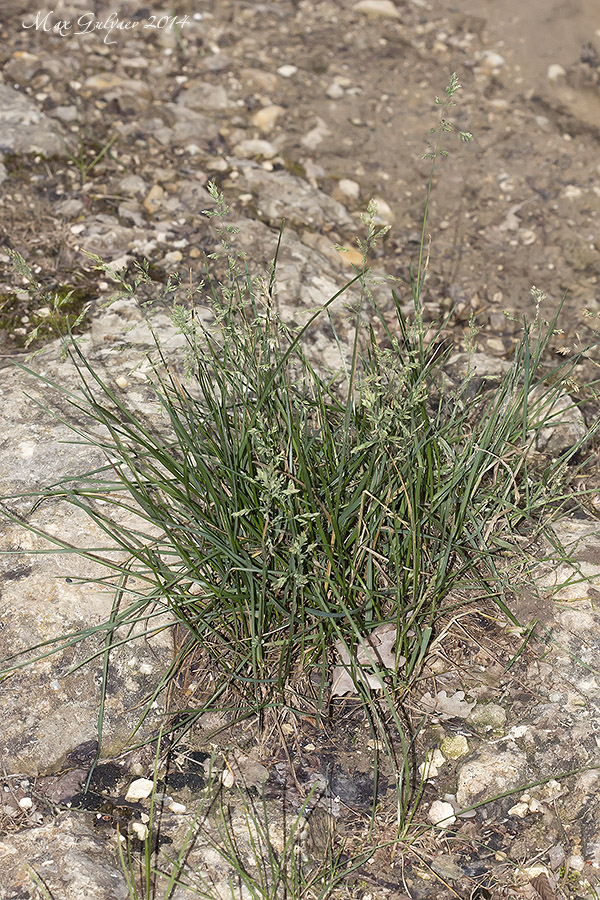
[(267, 117), (432, 765), (564, 425), (133, 184), (455, 746), (204, 96), (487, 717), (255, 148), (489, 772), (572, 192), (384, 215), (64, 113), (335, 91), (103, 236), (153, 199), (555, 72), (194, 197), (190, 125), (496, 347), (281, 195), (72, 861), (139, 789), (287, 71), (26, 129), (491, 62), (260, 80), (313, 138), (111, 86), (70, 208), (349, 188), (131, 211), (384, 9), (22, 67), (47, 709), (216, 62), (441, 814)]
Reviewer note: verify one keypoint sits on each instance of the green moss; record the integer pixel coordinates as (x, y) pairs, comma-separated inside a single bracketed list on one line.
[(294, 168)]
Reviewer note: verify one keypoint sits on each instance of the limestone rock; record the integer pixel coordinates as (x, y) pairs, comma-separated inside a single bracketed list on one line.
[(203, 96), (284, 196), (489, 772), (384, 9), (24, 128), (72, 861)]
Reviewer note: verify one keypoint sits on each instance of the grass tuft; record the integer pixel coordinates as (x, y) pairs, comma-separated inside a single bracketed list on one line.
[(282, 511)]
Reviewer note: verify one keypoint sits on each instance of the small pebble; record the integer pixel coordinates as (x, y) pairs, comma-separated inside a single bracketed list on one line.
[(265, 118), (335, 91), (139, 789), (252, 148), (349, 188), (519, 809), (441, 814), (140, 830), (380, 8), (491, 61), (455, 746), (384, 215), (572, 192), (287, 71), (555, 71), (227, 779), (25, 802)]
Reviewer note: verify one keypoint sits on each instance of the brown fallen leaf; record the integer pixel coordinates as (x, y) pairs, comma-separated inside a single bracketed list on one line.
[(445, 707), (543, 887), (380, 647)]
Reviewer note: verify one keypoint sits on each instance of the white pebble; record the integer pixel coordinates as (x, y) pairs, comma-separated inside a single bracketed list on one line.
[(287, 71), (25, 802), (121, 381), (177, 808), (349, 188), (26, 449), (491, 61), (441, 814), (555, 71), (431, 768), (335, 91), (384, 8), (266, 117), (252, 148), (519, 809), (227, 779), (139, 789), (140, 830), (384, 215), (572, 192)]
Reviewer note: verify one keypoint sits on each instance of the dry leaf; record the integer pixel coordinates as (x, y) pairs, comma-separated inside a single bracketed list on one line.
[(542, 886), (380, 645), (454, 707)]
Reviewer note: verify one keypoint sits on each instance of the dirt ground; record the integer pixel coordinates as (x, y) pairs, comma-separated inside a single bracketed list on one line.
[(516, 207)]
